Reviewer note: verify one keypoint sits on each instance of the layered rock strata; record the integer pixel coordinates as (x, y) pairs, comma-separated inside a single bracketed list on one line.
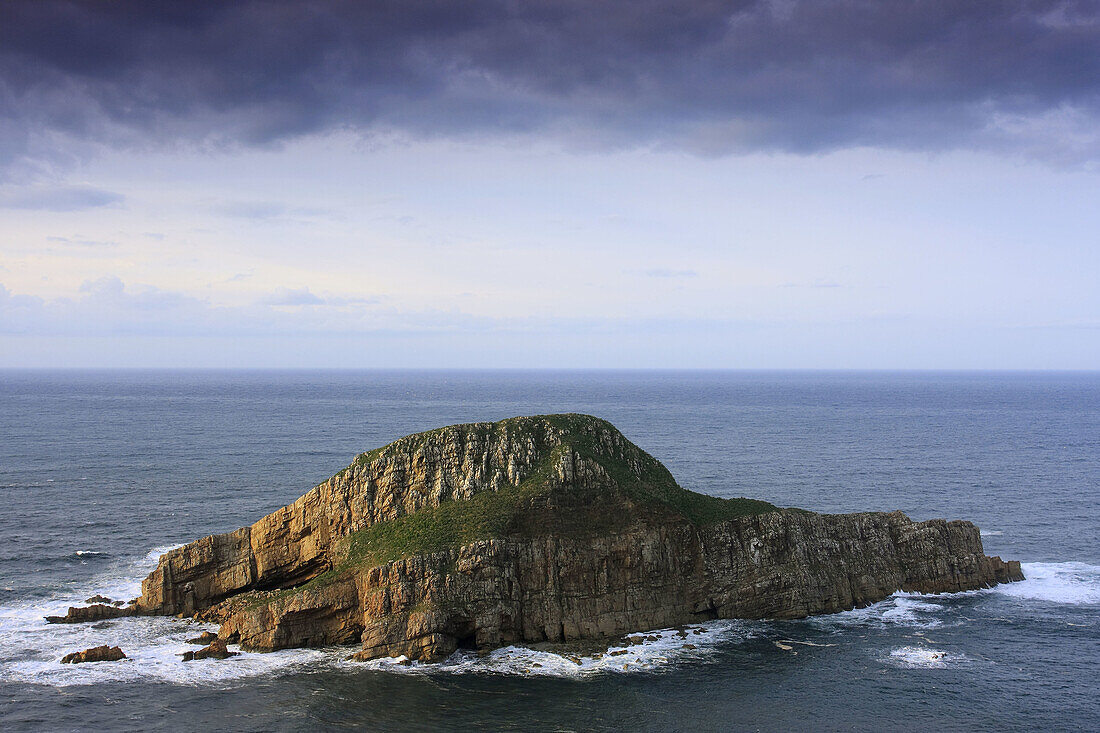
[(548, 528), (83, 614)]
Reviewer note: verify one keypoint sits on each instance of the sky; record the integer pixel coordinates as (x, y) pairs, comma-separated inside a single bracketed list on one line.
[(621, 184)]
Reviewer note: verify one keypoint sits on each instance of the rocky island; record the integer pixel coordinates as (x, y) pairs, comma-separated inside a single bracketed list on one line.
[(546, 528)]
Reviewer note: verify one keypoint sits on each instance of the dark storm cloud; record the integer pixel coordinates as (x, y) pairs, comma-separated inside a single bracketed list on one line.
[(710, 77)]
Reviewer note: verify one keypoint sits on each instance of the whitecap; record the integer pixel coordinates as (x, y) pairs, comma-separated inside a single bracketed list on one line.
[(990, 533), (806, 643), (910, 610), (921, 657), (153, 556), (659, 649), (31, 649), (153, 647), (1072, 583)]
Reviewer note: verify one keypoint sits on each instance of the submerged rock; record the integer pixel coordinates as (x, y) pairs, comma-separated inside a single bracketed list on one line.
[(204, 638), (99, 599), (98, 612), (95, 654), (547, 528)]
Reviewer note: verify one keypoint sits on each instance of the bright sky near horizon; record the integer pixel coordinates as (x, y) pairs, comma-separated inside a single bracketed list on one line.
[(494, 187)]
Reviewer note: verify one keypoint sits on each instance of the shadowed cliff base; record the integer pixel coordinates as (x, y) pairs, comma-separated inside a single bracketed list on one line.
[(532, 529)]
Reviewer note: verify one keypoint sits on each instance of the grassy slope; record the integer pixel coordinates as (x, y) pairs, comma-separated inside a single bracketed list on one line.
[(489, 514)]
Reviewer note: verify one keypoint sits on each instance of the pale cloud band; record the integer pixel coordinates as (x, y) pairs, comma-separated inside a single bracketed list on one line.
[(109, 324), (751, 183), (57, 198)]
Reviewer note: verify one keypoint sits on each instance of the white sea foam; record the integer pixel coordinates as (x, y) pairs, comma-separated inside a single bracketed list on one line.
[(31, 649), (901, 609), (153, 556), (1072, 583), (659, 649), (990, 532), (921, 657), (153, 646)]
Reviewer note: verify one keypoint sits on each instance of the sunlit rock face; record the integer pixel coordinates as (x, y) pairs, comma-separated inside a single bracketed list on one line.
[(547, 528)]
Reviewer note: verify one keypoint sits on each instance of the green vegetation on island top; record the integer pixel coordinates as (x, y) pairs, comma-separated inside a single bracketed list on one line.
[(492, 514), (487, 514)]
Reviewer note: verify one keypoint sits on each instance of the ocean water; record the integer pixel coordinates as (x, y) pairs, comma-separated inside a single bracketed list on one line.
[(100, 472)]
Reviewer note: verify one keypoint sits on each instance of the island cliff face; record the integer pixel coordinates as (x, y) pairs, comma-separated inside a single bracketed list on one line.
[(548, 528)]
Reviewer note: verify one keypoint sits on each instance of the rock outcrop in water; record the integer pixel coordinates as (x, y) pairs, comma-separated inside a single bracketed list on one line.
[(83, 614), (216, 649), (548, 528), (95, 654)]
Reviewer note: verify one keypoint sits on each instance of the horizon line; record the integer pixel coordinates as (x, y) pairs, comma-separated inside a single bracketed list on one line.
[(915, 370)]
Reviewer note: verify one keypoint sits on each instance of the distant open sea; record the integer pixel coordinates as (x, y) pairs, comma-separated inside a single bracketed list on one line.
[(101, 471)]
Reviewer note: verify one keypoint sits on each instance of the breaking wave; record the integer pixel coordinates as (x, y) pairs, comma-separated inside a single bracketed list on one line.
[(922, 657), (900, 609), (650, 650), (1072, 583), (31, 649)]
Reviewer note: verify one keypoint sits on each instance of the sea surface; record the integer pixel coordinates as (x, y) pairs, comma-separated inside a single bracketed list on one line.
[(100, 472)]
